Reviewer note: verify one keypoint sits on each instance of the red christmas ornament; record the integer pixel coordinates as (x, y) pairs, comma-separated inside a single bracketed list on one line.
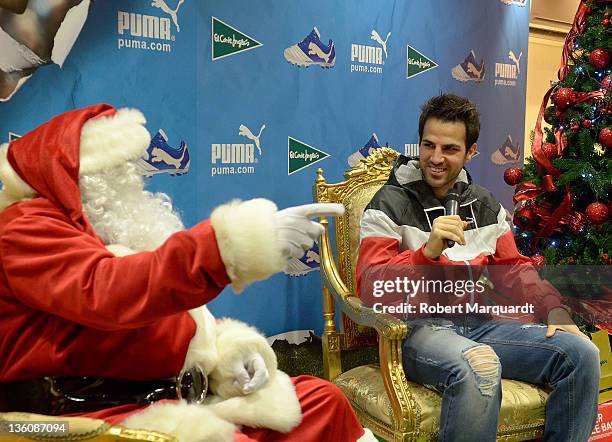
[(605, 136), (599, 58), (597, 213), (564, 98), (606, 22), (586, 124), (550, 150), (537, 260), (606, 14), (605, 83), (513, 175)]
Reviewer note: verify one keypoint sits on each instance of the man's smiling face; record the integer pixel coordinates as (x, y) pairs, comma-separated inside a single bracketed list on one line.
[(443, 153)]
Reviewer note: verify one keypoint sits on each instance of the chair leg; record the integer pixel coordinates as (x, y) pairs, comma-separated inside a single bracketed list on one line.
[(331, 339)]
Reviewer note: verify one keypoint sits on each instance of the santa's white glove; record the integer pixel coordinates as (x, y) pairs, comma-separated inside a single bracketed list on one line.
[(297, 232), (250, 372)]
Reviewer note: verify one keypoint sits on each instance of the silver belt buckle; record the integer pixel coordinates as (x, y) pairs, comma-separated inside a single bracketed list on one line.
[(192, 385)]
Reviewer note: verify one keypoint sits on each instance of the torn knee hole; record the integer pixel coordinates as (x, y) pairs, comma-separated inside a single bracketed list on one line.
[(486, 367)]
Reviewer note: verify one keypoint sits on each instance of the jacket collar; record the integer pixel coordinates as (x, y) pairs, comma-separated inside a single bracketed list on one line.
[(407, 174)]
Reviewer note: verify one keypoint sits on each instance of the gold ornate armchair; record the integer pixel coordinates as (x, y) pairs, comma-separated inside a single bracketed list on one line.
[(383, 399)]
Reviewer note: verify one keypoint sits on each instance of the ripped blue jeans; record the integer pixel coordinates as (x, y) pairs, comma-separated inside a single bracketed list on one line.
[(464, 358)]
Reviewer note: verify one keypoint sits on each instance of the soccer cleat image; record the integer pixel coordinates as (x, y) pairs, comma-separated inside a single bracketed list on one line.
[(469, 70), (311, 51), (163, 158), (310, 262), (507, 153), (366, 150)]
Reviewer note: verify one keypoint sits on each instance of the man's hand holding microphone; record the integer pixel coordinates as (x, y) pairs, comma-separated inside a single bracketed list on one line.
[(448, 229)]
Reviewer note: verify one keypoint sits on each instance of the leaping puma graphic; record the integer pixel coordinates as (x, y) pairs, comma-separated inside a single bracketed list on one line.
[(158, 155), (515, 60), (161, 4), (313, 256), (313, 49), (376, 37), (246, 132)]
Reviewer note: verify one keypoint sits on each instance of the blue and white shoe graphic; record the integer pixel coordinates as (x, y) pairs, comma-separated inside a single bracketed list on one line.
[(311, 51), (310, 262), (469, 70), (507, 153), (366, 150), (163, 158)]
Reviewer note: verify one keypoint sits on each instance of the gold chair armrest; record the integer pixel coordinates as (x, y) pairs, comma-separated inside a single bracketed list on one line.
[(391, 330), (386, 325)]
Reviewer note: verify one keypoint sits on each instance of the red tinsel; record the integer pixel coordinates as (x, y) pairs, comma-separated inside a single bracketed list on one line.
[(526, 192), (575, 221), (548, 184)]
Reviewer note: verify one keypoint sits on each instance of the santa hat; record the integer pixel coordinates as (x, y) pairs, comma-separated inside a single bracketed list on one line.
[(48, 160)]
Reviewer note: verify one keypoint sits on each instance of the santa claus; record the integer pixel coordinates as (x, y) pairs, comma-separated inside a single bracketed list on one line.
[(102, 294)]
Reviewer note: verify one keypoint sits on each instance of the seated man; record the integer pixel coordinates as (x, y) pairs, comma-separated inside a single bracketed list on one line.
[(464, 356), (103, 290)]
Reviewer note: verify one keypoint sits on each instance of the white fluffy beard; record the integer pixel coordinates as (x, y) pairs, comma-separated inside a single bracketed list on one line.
[(122, 212)]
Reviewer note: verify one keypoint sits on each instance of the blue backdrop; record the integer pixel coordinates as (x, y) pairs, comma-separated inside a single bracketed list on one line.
[(199, 70)]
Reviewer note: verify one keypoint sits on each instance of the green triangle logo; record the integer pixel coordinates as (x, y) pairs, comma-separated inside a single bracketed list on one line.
[(300, 155), (417, 63), (227, 40), (13, 136)]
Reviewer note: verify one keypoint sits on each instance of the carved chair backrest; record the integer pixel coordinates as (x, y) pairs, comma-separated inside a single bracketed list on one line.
[(361, 183)]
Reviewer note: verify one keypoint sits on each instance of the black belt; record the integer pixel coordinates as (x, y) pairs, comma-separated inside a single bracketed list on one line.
[(66, 395)]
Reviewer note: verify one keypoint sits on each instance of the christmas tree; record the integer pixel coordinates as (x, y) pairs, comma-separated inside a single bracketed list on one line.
[(563, 195)]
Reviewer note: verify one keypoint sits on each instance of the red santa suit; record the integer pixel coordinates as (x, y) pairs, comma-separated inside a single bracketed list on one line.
[(73, 306)]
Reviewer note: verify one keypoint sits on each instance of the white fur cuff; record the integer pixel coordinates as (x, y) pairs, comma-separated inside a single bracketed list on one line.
[(186, 422), (246, 237)]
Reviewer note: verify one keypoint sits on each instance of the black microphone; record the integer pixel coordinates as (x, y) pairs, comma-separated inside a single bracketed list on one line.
[(451, 205)]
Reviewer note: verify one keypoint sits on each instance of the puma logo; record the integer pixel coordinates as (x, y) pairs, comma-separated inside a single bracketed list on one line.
[(376, 37), (246, 132), (161, 4), (160, 155), (474, 70), (313, 257), (515, 60), (313, 49)]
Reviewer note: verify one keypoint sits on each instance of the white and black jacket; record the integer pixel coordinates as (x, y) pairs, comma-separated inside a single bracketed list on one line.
[(397, 222)]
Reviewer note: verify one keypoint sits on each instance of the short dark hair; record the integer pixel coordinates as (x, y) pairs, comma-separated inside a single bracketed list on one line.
[(450, 108)]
